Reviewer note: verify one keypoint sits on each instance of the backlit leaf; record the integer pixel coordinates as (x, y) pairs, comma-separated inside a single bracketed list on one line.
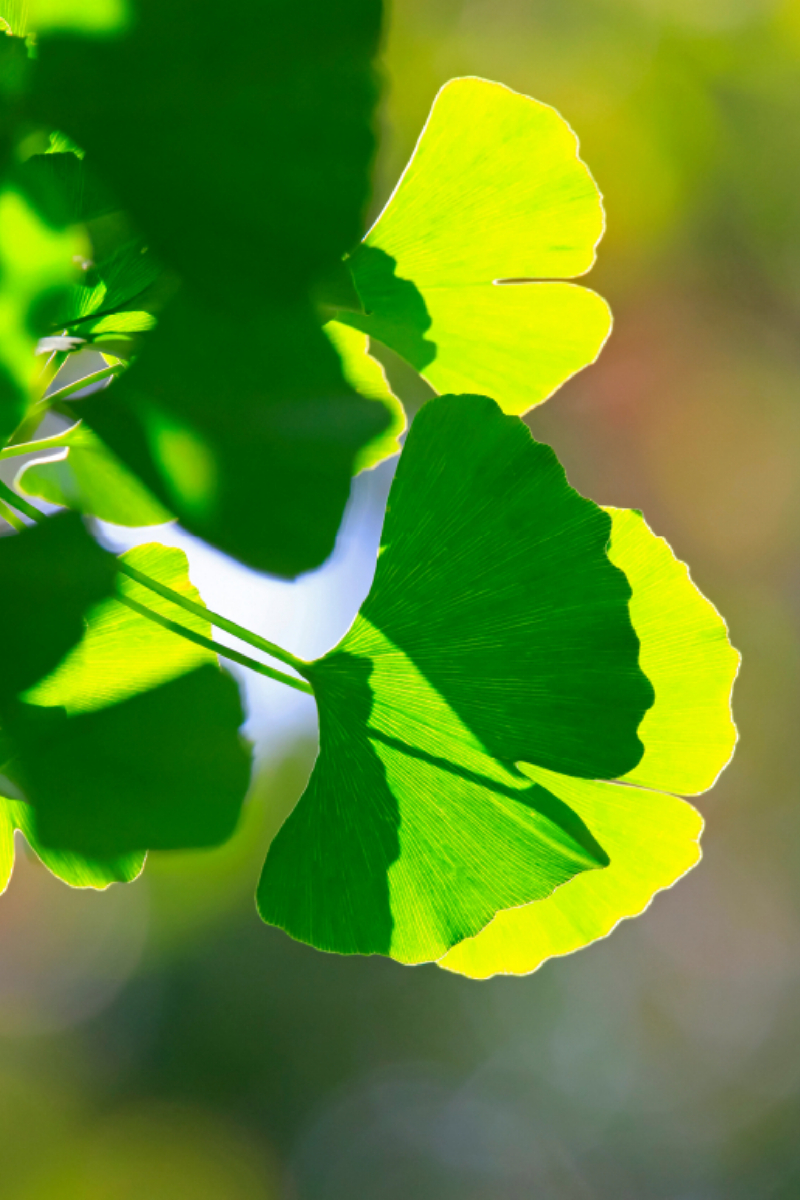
[(36, 264), (163, 769), (651, 837), (494, 199), (74, 869), (496, 630), (132, 743), (366, 375)]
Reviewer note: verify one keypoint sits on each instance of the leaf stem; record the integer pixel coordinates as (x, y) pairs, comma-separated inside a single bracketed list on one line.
[(49, 443), (200, 610), (8, 514), (71, 388), (208, 644), (19, 504), (12, 499)]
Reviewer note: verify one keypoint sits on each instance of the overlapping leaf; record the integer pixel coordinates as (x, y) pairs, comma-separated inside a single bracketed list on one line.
[(651, 837), (496, 630), (461, 273), (131, 741), (246, 167)]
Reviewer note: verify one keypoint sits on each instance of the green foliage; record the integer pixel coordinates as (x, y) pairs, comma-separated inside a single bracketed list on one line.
[(486, 639), (651, 838), (189, 202)]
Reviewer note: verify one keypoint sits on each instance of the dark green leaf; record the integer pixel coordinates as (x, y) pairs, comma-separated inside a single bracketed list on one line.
[(496, 631), (246, 166), (164, 769)]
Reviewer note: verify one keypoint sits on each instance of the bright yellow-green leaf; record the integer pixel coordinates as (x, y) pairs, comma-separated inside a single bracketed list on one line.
[(496, 630), (651, 837), (366, 375), (495, 191)]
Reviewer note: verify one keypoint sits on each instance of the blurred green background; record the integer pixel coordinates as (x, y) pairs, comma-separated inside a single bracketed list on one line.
[(156, 1041)]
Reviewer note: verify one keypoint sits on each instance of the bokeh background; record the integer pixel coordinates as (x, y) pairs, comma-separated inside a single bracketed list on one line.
[(157, 1041)]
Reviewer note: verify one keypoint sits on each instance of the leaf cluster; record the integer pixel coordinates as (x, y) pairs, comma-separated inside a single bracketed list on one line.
[(530, 677)]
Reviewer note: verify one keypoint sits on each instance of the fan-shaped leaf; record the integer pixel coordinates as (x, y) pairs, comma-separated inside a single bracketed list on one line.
[(651, 838), (493, 199), (132, 743), (496, 629), (36, 264)]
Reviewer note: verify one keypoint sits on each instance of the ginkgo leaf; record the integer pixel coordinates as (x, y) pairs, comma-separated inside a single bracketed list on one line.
[(132, 743), (366, 375), (97, 18), (496, 629), (651, 837), (163, 769), (494, 199), (86, 476), (236, 413), (52, 574)]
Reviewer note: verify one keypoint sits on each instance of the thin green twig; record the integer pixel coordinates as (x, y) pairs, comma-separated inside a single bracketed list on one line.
[(8, 514), (49, 443), (19, 504), (217, 647), (199, 610), (12, 499), (70, 389)]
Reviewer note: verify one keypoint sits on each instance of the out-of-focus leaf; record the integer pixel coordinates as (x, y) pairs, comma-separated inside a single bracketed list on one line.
[(651, 837), (495, 191), (252, 449), (165, 769), (496, 630), (74, 869), (50, 574), (86, 476), (132, 743), (63, 188), (36, 263), (90, 17), (247, 170), (366, 375)]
